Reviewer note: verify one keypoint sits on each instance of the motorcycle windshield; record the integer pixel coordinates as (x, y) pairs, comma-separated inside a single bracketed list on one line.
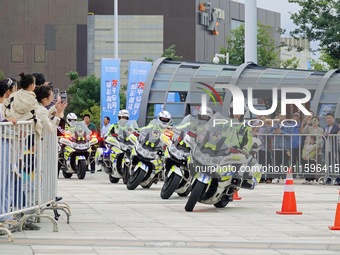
[(212, 149), (150, 137), (80, 131), (183, 127), (126, 128)]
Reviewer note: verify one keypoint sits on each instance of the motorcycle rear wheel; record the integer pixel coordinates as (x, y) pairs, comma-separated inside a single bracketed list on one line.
[(170, 185), (81, 169), (135, 179), (196, 194), (113, 179), (221, 204), (185, 194)]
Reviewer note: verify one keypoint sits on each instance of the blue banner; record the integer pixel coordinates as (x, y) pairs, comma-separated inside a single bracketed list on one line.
[(109, 89), (138, 72)]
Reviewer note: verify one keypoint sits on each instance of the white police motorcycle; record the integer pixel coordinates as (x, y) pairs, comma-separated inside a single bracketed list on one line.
[(218, 168), (75, 150)]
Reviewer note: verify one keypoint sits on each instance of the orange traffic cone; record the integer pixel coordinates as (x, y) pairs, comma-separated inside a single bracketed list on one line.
[(236, 197), (289, 201), (337, 217)]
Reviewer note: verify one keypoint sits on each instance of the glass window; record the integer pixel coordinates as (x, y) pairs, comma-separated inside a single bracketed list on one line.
[(160, 85), (236, 23), (180, 85), (326, 108)]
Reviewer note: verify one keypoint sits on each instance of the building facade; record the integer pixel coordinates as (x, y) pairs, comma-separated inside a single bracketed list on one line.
[(44, 36), (299, 49), (55, 37), (197, 28)]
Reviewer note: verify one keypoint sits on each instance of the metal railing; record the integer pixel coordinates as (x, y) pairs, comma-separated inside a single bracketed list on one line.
[(309, 156), (28, 175)]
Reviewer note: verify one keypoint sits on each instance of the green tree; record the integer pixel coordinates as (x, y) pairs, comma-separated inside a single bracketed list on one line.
[(325, 62), (290, 63), (94, 113), (148, 59), (170, 52), (83, 93), (122, 97), (319, 21), (2, 76), (267, 52)]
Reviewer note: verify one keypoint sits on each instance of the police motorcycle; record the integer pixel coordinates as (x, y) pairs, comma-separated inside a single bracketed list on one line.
[(146, 165), (219, 169), (75, 150), (176, 172), (116, 157)]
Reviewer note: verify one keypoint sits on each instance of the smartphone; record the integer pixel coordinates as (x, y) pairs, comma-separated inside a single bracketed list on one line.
[(63, 96), (55, 94)]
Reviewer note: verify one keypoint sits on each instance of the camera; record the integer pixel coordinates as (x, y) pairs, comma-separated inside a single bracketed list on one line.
[(55, 94), (63, 96)]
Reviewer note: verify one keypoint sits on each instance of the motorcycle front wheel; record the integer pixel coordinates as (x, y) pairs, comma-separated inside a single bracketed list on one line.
[(196, 194), (67, 175), (135, 179), (170, 185), (81, 169), (126, 174)]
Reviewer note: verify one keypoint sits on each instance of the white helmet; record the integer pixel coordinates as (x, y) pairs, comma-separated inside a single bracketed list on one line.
[(164, 119), (123, 113), (205, 116), (71, 119)]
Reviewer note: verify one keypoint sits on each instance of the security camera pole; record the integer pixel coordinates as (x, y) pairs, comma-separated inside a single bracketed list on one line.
[(250, 31)]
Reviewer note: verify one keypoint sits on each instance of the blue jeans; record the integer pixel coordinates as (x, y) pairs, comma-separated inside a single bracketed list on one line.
[(5, 180)]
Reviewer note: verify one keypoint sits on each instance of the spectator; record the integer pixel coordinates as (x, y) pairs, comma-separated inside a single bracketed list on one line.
[(309, 154), (315, 130), (89, 124), (39, 79), (282, 144), (329, 132), (265, 157), (22, 104), (45, 97), (307, 120), (106, 126), (7, 86), (296, 141)]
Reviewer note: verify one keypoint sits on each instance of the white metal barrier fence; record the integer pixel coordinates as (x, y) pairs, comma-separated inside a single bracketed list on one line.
[(310, 156), (28, 176)]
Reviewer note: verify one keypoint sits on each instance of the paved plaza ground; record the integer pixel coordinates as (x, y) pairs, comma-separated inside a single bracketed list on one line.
[(109, 219)]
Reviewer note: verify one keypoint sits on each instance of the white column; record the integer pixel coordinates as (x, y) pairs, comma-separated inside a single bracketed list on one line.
[(250, 31), (116, 28)]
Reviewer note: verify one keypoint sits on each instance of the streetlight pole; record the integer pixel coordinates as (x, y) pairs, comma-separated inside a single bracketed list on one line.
[(250, 31), (115, 28)]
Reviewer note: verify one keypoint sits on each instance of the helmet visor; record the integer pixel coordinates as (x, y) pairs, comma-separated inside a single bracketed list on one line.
[(165, 120)]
